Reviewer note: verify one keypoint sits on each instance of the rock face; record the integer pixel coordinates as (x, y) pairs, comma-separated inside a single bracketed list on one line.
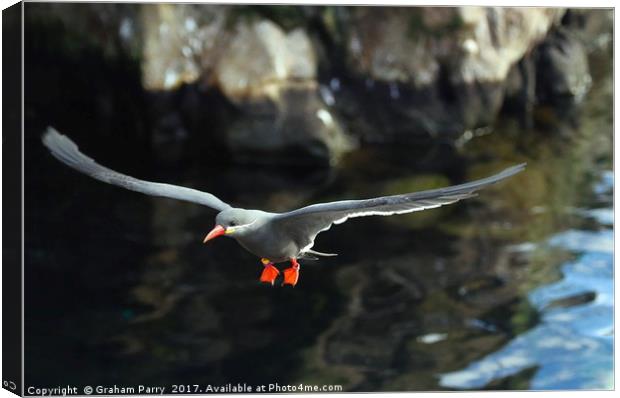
[(271, 76), (179, 43), (294, 125), (563, 68), (276, 58), (447, 66), (268, 74), (436, 71), (409, 45), (313, 82)]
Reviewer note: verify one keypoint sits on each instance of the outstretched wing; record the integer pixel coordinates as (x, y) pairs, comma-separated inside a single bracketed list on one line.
[(65, 150), (305, 223)]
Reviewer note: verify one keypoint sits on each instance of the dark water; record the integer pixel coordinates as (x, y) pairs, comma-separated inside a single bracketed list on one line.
[(509, 290)]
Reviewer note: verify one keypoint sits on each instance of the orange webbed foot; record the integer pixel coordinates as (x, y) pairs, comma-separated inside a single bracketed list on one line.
[(270, 273), (291, 275)]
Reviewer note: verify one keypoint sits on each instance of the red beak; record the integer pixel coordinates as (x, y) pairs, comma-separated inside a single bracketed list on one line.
[(218, 230)]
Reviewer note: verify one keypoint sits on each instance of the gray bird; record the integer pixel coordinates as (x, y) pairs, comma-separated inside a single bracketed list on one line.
[(274, 237)]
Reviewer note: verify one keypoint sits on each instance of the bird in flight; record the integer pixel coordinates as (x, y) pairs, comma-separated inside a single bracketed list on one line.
[(273, 237)]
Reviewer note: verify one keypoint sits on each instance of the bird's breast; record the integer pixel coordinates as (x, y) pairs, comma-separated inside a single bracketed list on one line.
[(269, 244)]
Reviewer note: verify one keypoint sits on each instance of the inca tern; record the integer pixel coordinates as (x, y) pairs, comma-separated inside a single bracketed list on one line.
[(274, 237)]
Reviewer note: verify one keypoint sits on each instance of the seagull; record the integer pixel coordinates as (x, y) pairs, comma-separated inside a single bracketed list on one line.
[(273, 237)]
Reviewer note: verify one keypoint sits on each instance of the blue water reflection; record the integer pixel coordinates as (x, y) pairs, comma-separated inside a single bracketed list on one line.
[(572, 346)]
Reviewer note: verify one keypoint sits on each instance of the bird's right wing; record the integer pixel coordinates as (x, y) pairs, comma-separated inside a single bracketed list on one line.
[(65, 150), (305, 223)]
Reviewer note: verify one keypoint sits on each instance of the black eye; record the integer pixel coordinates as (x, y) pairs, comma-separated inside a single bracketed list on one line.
[(232, 223)]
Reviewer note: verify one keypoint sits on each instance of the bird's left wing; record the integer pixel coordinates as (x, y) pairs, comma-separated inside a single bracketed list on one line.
[(307, 222), (65, 150)]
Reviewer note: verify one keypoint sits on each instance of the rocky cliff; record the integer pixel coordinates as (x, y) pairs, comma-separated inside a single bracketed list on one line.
[(300, 83)]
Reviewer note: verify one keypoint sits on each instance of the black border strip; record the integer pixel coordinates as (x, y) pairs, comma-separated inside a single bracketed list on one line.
[(12, 360)]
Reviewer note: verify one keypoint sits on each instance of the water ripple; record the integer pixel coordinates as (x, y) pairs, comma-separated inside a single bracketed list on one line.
[(572, 346)]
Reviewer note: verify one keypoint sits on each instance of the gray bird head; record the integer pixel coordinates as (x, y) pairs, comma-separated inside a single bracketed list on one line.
[(234, 223)]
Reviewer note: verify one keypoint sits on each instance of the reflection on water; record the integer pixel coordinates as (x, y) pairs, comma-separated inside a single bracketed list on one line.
[(508, 290), (572, 345)]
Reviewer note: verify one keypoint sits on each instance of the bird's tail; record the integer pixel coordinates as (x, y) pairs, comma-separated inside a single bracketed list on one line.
[(312, 255)]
